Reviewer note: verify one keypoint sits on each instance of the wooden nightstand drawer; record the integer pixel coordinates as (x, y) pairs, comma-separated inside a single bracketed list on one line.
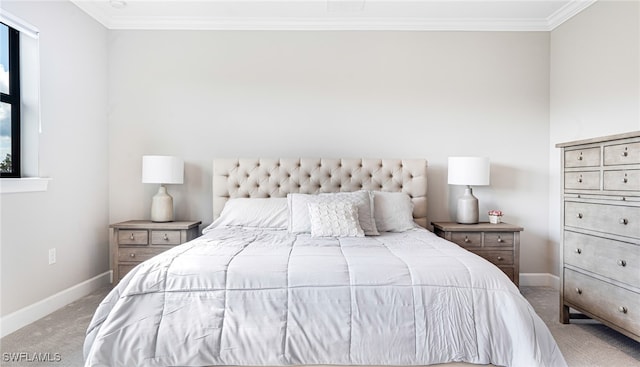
[(588, 157), (497, 243), (622, 154), (123, 269), (467, 239), (497, 257), (138, 254), (165, 237), (133, 237), (136, 241), (509, 271), (587, 180), (498, 239)]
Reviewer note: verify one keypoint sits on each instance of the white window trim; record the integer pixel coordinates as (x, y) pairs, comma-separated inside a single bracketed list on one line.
[(19, 24), (24, 184)]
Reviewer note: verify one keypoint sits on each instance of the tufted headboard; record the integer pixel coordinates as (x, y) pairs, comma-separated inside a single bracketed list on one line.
[(263, 177)]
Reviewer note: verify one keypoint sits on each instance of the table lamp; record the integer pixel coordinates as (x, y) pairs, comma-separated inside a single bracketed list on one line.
[(162, 170), (468, 171)]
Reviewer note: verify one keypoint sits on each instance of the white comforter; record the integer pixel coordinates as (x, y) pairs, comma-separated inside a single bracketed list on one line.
[(257, 297)]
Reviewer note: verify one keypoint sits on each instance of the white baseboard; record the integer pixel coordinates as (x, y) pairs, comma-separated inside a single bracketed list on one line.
[(540, 280), (38, 310)]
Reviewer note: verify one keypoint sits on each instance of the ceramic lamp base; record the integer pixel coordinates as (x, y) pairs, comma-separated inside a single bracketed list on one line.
[(467, 208), (162, 206)]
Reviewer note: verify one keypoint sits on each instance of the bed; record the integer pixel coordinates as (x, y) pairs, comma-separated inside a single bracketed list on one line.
[(317, 262)]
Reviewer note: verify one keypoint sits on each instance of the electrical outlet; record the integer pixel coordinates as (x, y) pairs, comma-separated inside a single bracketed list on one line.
[(52, 256)]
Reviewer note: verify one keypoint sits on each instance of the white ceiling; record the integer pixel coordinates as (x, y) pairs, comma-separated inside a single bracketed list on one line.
[(458, 15)]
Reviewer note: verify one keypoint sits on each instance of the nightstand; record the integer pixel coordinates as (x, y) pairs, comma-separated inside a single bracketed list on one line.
[(135, 241), (498, 243)]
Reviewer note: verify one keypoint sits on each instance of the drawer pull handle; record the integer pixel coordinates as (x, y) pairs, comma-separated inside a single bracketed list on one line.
[(500, 240), (578, 251), (466, 239), (580, 157), (579, 215), (625, 153), (622, 309), (624, 221), (578, 290), (625, 180), (131, 237), (622, 263), (580, 179), (499, 258), (165, 237), (132, 255)]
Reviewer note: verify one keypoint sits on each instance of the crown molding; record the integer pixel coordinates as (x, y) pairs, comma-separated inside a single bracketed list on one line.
[(325, 24), (94, 11), (567, 12), (331, 23)]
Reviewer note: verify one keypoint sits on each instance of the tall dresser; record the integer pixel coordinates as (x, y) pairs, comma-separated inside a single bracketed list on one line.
[(600, 274)]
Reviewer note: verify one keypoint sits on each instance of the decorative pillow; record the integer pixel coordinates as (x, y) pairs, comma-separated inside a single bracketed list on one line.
[(334, 219), (299, 221), (393, 211), (253, 212)]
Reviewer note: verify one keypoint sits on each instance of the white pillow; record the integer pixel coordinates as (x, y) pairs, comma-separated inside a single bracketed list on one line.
[(253, 212), (334, 219), (393, 211), (299, 221)]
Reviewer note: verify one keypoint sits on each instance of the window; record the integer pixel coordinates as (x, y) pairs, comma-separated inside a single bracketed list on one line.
[(20, 124), (10, 101)]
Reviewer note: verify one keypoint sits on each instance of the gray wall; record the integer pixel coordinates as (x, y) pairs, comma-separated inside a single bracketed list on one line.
[(595, 84), (201, 94), (72, 215)]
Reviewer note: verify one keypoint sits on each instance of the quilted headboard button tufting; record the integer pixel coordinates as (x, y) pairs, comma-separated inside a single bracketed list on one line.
[(263, 178)]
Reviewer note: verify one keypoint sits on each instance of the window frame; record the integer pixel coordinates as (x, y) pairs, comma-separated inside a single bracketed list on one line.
[(13, 99)]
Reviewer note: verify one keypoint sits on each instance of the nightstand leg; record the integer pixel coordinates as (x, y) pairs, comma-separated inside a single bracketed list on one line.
[(564, 314)]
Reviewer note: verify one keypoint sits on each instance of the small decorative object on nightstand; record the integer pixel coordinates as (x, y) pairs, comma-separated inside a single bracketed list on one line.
[(498, 243), (135, 241), (495, 216)]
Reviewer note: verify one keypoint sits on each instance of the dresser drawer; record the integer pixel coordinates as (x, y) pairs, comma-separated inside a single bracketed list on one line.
[(615, 219), (133, 237), (498, 239), (497, 257), (615, 304), (622, 154), (467, 239), (588, 180), (138, 254), (627, 180), (588, 157), (165, 237), (613, 259)]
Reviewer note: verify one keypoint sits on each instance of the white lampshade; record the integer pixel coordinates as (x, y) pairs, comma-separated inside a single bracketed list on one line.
[(472, 171), (162, 169)]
